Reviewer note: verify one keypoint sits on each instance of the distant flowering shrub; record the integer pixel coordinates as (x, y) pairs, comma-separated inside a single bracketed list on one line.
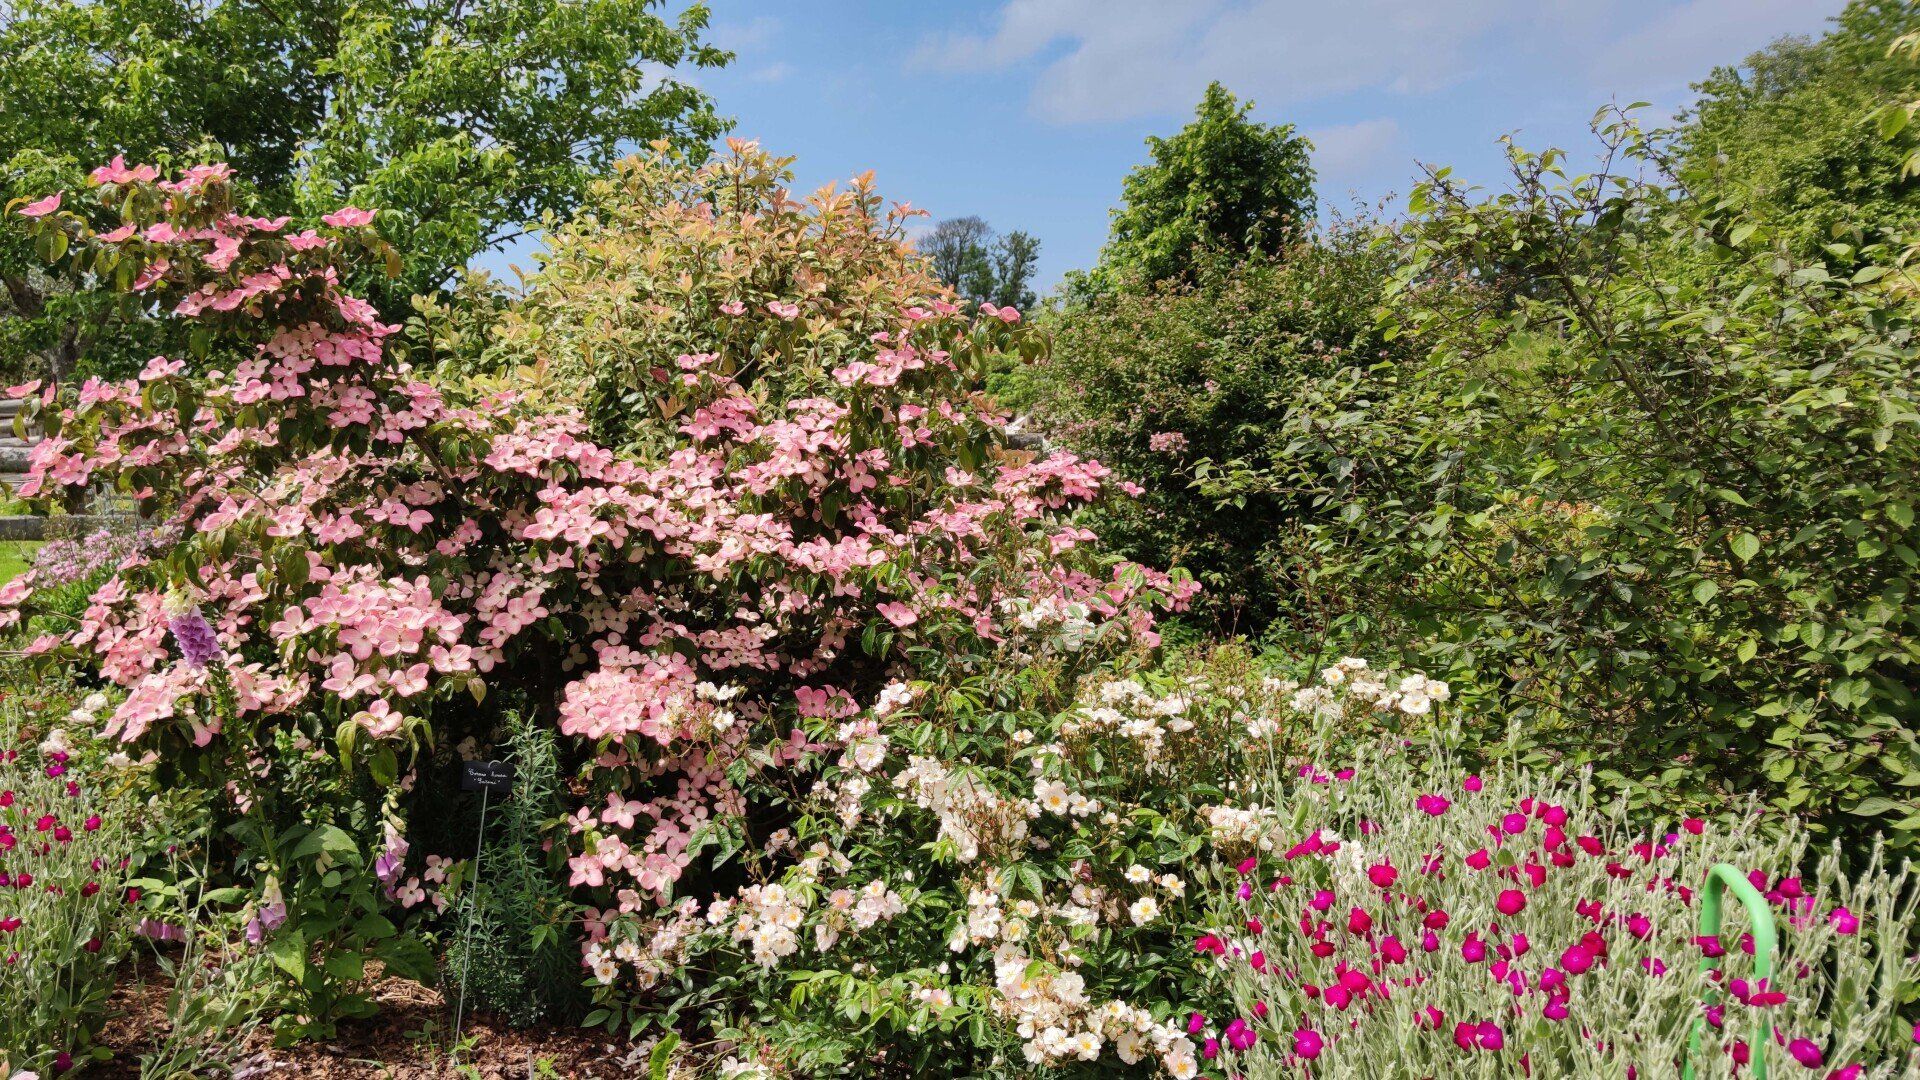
[(1404, 919), (66, 914), (705, 611), (70, 560)]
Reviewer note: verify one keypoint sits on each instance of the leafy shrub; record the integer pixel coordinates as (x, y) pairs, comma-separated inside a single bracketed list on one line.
[(797, 509), (1642, 485), (514, 951), (670, 263), (1406, 919), (1168, 385)]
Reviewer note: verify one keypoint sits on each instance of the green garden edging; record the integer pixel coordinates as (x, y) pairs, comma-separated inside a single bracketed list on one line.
[(1719, 879)]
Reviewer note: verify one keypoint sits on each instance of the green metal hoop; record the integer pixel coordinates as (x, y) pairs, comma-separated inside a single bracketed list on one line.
[(1722, 877)]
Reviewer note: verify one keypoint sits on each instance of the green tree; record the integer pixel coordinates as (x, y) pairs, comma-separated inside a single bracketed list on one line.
[(1224, 181), (1015, 256), (968, 258), (460, 122), (1789, 132)]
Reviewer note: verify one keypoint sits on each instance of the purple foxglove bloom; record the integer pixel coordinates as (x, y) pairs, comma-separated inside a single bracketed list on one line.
[(198, 646)]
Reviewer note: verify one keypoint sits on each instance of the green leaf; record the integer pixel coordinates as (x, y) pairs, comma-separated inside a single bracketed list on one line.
[(1874, 807), (410, 958), (289, 953), (1745, 546), (661, 1059), (1704, 591)]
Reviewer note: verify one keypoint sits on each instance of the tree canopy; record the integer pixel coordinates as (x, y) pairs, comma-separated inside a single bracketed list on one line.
[(459, 122), (1224, 181), (970, 259)]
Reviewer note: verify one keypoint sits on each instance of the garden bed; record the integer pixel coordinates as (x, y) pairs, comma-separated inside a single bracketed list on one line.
[(411, 1039)]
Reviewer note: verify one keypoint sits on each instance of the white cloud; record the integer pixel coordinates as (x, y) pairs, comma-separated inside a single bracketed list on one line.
[(1348, 151), (751, 35), (1107, 60), (773, 72), (1120, 59), (1679, 45)]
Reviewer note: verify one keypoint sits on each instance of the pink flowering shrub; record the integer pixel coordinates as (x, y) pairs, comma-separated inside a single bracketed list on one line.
[(368, 557), (1406, 919), (65, 914)]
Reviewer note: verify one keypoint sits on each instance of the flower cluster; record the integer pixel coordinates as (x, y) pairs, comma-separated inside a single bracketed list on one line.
[(1402, 936)]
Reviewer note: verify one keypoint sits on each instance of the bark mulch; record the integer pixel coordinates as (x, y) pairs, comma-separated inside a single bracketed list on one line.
[(410, 1039)]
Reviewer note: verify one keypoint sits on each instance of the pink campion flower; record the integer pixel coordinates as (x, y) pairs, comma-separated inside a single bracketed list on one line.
[(41, 208), (1473, 783), (349, 217), (1196, 1023), (1490, 1037), (1383, 875), (1307, 1043), (1480, 860), (1513, 824), (1433, 805), (1511, 902), (1639, 925), (1694, 826), (1210, 943), (1241, 1036), (1322, 900), (1806, 1052), (1843, 921), (1577, 960), (1848, 1072), (1358, 921)]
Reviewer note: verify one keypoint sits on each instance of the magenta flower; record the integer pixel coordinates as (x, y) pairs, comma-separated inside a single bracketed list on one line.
[(1577, 960), (1307, 1043), (1806, 1053), (1844, 921), (1511, 902)]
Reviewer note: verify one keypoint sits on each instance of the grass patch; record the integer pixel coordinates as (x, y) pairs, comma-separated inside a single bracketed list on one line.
[(15, 557)]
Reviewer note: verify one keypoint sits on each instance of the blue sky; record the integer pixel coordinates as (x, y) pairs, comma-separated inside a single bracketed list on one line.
[(1029, 112)]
